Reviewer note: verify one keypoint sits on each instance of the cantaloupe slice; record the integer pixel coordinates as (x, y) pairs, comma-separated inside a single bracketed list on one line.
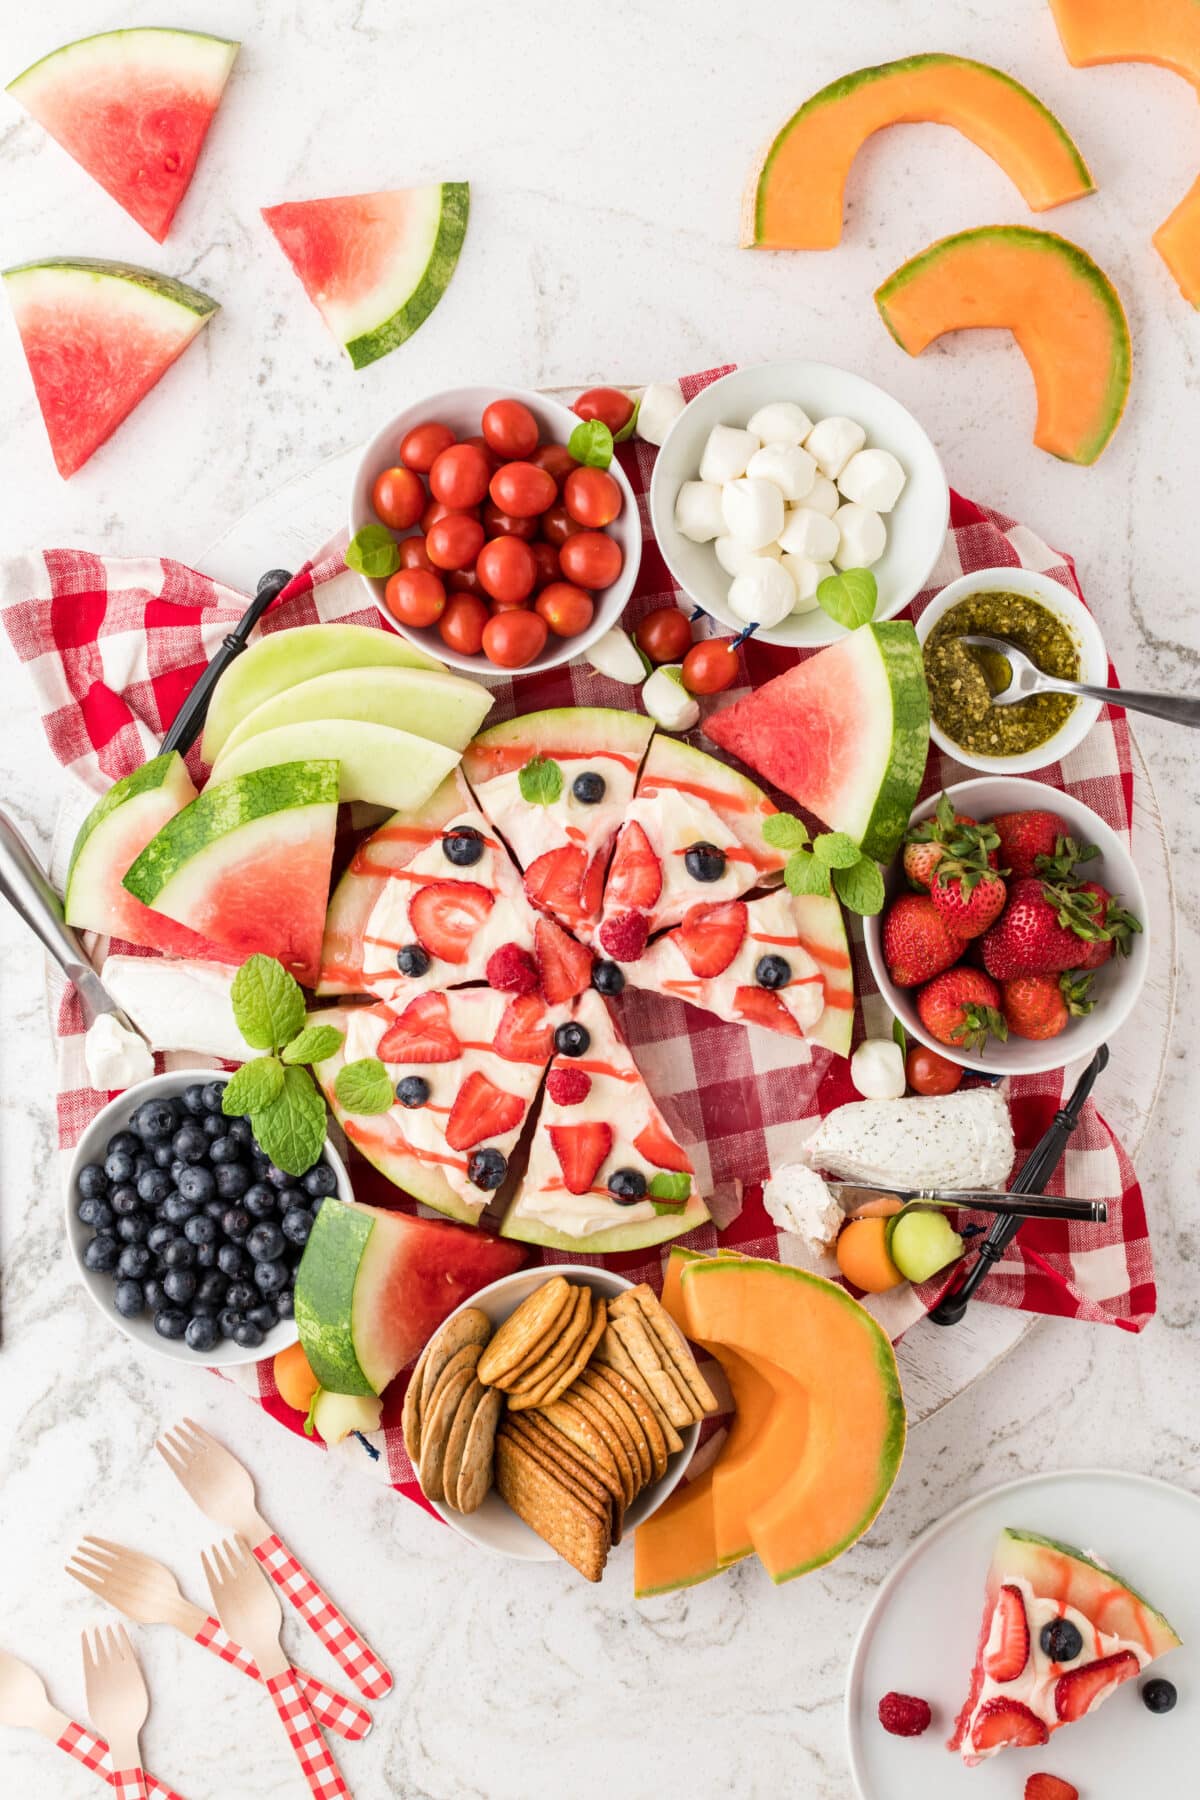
[(794, 200), (1177, 241), (1060, 306), (1166, 32)]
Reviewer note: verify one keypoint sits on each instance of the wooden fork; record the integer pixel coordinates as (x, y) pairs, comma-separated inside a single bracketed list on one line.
[(25, 1702), (118, 1702)]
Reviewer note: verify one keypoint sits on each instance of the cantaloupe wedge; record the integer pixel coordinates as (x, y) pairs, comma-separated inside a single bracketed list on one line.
[(1177, 241), (1166, 32), (795, 197), (1060, 306)]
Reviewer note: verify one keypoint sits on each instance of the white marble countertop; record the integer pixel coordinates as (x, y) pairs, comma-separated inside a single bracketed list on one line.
[(602, 243)]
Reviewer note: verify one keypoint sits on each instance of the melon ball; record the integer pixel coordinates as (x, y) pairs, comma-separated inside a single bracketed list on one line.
[(862, 1256)]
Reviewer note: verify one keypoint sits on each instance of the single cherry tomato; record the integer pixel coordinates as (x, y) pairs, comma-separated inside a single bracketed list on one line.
[(929, 1073), (437, 509), (557, 525), (521, 488), (454, 542), (502, 524), (399, 498), (609, 405), (592, 560), (709, 666), (509, 429), (481, 443), (464, 581), (461, 625), (512, 639), (506, 569), (566, 609), (413, 554), (459, 476), (421, 447), (415, 597), (556, 459), (548, 570), (592, 498), (664, 636)]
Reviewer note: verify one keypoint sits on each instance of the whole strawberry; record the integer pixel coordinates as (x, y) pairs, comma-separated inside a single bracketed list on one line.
[(1119, 924), (947, 831), (917, 942), (1042, 930), (1040, 1006), (962, 1008), (969, 898), (1024, 836)]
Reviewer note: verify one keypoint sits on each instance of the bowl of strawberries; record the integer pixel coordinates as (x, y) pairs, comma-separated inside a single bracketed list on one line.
[(1013, 938)]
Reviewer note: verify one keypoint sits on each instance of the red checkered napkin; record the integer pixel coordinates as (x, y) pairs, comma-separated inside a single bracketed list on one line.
[(92, 1751), (335, 1712), (354, 1657), (322, 1774)]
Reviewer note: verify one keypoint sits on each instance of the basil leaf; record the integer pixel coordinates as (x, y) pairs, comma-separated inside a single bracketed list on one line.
[(670, 1186), (900, 1036), (363, 1087), (268, 1007), (591, 443), (629, 427), (849, 598), (251, 1087), (805, 875), (373, 551), (314, 1044), (292, 1128), (837, 849), (541, 781), (783, 832), (860, 888)]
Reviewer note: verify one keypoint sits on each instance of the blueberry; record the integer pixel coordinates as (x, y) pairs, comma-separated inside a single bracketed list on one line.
[(164, 1156), (241, 1295), (228, 1321), (1159, 1695), (153, 1121), (259, 1201), (212, 1289), (122, 1141), (319, 1181), (1061, 1640), (270, 1275), (93, 1182), (197, 1183), (170, 1322), (101, 1254), (264, 1316), (159, 1236), (176, 1210), (288, 1197), (189, 1143), (297, 1223), (215, 1209), (153, 1185), (463, 846), (179, 1285), (704, 862), (154, 1293), (412, 959), (607, 977), (179, 1254), (202, 1333), (129, 1298), (232, 1178), (588, 788), (487, 1168), (235, 1223), (177, 1166), (240, 1131), (119, 1166), (231, 1261), (412, 1091), (247, 1335), (206, 1256), (103, 1216), (285, 1304), (193, 1098), (134, 1228), (627, 1186), (214, 1095), (572, 1039), (141, 1162), (278, 1178), (89, 1206), (133, 1262), (125, 1199), (200, 1229), (772, 971), (213, 1127), (265, 1243)]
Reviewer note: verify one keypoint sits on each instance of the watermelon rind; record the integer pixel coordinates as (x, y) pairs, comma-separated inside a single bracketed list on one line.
[(618, 1238), (446, 709), (376, 762), (737, 800), (822, 927), (165, 775), (324, 1297), (1017, 1553), (557, 731)]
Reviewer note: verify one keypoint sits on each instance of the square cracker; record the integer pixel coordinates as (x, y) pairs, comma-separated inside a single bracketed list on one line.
[(557, 1454), (643, 1348), (560, 1520), (604, 1471), (595, 1380), (675, 1344), (613, 1352), (614, 1434), (644, 1413), (589, 1492)]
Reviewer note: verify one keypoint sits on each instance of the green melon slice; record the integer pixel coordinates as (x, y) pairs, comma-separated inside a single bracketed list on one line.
[(248, 863), (337, 1416), (132, 107), (97, 336), (845, 733), (348, 1330), (675, 767), (822, 931), (376, 762), (374, 265), (446, 709)]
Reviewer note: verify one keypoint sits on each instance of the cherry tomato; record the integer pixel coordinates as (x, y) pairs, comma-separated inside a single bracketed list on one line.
[(499, 606), (592, 560), (506, 569), (709, 666), (421, 447), (413, 554), (546, 558), (481, 443), (929, 1073), (459, 476), (454, 542), (437, 509), (566, 609), (521, 488), (512, 639), (556, 459), (592, 497), (461, 625), (509, 429), (415, 596), (463, 581), (557, 525), (502, 524), (609, 405), (664, 636), (398, 498)]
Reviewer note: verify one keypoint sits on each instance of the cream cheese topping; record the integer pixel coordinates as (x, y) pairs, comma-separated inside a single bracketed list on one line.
[(953, 1141), (798, 1201), (770, 931), (533, 830), (673, 822), (116, 1057)]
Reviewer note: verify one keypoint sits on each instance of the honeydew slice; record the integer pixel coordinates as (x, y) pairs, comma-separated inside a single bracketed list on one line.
[(443, 708)]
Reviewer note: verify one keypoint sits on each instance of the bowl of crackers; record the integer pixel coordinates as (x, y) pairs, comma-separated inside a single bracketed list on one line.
[(553, 1413)]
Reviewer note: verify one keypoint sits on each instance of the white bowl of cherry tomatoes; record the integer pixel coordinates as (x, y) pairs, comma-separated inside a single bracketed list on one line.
[(512, 555)]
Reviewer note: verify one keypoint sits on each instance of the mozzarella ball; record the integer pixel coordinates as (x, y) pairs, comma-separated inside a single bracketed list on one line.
[(873, 478), (832, 443), (781, 422), (698, 513), (727, 453), (823, 497), (614, 655), (810, 534), (877, 1069), (753, 511), (734, 556), (667, 700), (862, 536), (807, 577), (661, 404), (763, 594), (791, 469)]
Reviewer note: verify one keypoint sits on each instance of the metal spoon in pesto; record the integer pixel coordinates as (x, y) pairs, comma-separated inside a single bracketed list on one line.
[(1027, 679)]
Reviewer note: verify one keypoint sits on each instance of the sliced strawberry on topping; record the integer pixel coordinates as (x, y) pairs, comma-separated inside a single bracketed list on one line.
[(760, 1007), (591, 893), (710, 936), (635, 875), (999, 1723), (422, 1034), (1080, 1689), (446, 915), (568, 1086), (553, 881), (658, 1148), (564, 966), (525, 1032), (580, 1150), (1006, 1662), (1049, 1787), (481, 1110)]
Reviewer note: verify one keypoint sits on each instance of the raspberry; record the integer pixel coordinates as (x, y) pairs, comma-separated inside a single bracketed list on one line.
[(567, 1087), (624, 936), (904, 1715), (512, 970)]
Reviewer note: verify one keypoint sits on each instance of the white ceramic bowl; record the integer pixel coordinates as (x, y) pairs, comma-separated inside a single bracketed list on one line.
[(916, 528), (1115, 986), (1093, 663), (461, 409), (90, 1148), (494, 1525)]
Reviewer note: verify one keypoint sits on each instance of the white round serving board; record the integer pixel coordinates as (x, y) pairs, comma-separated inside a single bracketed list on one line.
[(283, 530), (921, 1633)]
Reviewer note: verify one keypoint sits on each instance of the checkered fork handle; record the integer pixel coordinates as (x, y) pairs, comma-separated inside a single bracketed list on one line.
[(357, 1661), (129, 1784), (92, 1752), (335, 1712), (322, 1774)]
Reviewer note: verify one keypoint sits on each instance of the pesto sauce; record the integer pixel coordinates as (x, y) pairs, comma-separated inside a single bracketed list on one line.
[(960, 697)]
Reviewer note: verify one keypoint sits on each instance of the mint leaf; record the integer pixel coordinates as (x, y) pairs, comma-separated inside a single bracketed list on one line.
[(591, 443), (372, 551), (849, 598), (805, 875), (292, 1128), (900, 1036), (541, 781), (363, 1087), (314, 1044), (861, 887), (628, 428), (836, 849), (670, 1187), (268, 1007), (783, 832), (252, 1087)]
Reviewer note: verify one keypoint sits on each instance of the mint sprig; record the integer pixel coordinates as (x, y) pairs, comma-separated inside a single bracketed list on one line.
[(268, 1006), (849, 598), (373, 551), (277, 1095), (540, 781), (255, 1085), (832, 863), (363, 1087), (314, 1044), (591, 443)]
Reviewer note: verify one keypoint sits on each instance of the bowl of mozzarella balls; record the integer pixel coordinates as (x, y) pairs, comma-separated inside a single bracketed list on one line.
[(777, 476)]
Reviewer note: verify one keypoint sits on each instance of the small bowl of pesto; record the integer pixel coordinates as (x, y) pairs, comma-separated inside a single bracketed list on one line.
[(1054, 629)]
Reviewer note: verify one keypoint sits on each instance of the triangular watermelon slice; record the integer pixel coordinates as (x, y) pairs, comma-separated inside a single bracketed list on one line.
[(132, 107), (97, 336), (374, 265)]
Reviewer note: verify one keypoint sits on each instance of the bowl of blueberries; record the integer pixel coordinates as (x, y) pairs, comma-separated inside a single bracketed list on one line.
[(184, 1232)]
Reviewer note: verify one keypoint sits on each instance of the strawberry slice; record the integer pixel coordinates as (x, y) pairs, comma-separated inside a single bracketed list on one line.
[(553, 881), (1049, 1787), (1006, 1662), (658, 1148), (446, 915), (481, 1110), (580, 1150), (1000, 1723), (525, 1032), (1079, 1690), (422, 1034), (711, 936), (564, 966), (591, 893), (635, 875), (758, 1006)]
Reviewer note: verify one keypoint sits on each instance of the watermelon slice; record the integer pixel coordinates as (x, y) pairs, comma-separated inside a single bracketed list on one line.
[(132, 107), (248, 863), (845, 733), (374, 265), (97, 336), (822, 930), (373, 1286)]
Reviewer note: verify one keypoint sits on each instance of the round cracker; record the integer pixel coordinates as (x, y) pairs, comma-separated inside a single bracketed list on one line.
[(475, 1472), (471, 1326), (532, 1320), (436, 1430), (456, 1442), (536, 1385), (563, 1376)]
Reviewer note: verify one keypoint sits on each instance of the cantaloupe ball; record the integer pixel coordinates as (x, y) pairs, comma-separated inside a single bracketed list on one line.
[(882, 1208), (862, 1256), (295, 1380)]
